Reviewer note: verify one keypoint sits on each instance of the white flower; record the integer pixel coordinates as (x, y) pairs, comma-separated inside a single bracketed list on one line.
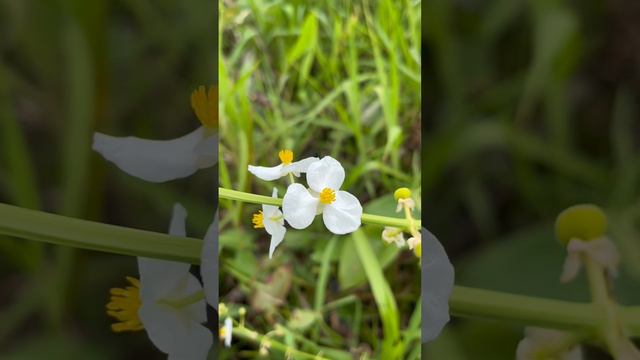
[(166, 302), (603, 251), (393, 235), (287, 166), (270, 218), (209, 263), (160, 161), (541, 343), (437, 284), (226, 333), (340, 210)]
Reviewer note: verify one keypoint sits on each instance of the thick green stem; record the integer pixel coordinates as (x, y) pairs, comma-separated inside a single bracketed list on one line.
[(267, 200)]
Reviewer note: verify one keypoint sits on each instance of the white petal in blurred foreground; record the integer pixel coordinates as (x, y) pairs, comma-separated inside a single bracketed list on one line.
[(157, 160), (545, 344), (437, 284), (209, 264), (164, 160)]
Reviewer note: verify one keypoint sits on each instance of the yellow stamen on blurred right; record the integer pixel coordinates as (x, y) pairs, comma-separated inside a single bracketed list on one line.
[(205, 105)]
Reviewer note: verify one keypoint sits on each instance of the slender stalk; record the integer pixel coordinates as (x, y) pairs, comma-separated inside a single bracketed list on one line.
[(267, 200), (528, 310), (252, 336)]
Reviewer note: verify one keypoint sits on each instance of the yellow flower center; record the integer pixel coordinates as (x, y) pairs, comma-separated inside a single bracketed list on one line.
[(124, 306), (327, 196), (205, 105), (286, 156), (258, 220), (223, 333), (402, 193)]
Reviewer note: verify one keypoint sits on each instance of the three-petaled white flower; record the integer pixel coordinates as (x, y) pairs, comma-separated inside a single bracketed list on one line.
[(285, 168), (167, 302), (160, 161), (437, 284), (340, 210), (270, 218)]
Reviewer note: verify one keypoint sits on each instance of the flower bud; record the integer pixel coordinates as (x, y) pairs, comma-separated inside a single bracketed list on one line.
[(402, 193), (584, 222)]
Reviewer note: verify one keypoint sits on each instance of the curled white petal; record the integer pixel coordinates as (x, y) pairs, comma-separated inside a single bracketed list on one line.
[(207, 150), (299, 207), (154, 160), (277, 235), (228, 331), (603, 251), (267, 173), (209, 263), (325, 173), (343, 216), (437, 284), (549, 343), (270, 211), (159, 277), (300, 166)]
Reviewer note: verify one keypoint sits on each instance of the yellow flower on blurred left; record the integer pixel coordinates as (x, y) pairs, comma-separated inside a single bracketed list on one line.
[(124, 306)]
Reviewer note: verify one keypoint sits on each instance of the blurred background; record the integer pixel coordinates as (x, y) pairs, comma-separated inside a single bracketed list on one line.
[(532, 106), (69, 68), (338, 78)]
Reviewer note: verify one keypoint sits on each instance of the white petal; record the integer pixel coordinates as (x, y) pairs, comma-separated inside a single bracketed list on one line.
[(301, 166), (267, 173), (207, 150), (343, 215), (437, 284), (159, 277), (228, 327), (325, 173), (209, 263), (270, 210), (152, 160), (299, 206), (276, 238), (174, 333)]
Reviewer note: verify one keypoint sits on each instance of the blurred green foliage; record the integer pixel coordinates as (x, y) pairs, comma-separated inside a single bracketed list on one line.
[(68, 68), (532, 106), (337, 78)]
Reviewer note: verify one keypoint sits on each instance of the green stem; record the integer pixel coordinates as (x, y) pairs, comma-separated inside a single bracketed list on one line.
[(268, 200), (533, 311), (252, 336)]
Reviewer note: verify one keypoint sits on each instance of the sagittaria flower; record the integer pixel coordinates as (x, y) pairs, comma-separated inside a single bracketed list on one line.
[(164, 160), (340, 210), (288, 166), (167, 302), (270, 218), (437, 284)]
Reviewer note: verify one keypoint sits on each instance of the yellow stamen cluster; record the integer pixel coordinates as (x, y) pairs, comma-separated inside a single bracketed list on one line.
[(205, 105), (124, 306), (402, 193), (327, 196), (223, 333), (286, 156), (258, 220)]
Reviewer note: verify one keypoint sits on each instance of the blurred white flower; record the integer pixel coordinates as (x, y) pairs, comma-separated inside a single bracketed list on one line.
[(270, 218), (340, 210), (164, 160), (544, 344), (414, 242), (226, 332), (209, 263), (167, 302), (393, 235), (603, 251), (437, 284), (287, 166)]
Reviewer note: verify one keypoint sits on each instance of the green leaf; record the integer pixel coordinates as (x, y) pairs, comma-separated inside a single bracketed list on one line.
[(307, 40)]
